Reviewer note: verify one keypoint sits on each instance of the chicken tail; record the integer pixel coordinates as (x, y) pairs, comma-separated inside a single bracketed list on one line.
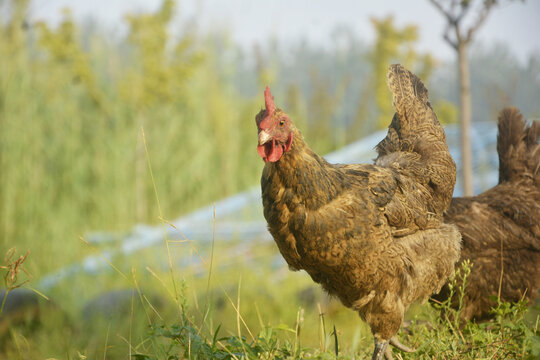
[(415, 127), (518, 147), (416, 144), (407, 89)]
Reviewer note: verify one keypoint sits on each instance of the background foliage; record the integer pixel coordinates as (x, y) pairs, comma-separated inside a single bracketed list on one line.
[(73, 101)]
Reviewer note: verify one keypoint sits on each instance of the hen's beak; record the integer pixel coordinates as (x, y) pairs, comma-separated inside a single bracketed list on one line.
[(264, 137)]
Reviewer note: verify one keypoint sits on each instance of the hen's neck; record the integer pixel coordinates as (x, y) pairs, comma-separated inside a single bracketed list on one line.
[(308, 175)]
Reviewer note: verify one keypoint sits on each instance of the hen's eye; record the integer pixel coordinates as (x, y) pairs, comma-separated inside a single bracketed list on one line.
[(282, 122)]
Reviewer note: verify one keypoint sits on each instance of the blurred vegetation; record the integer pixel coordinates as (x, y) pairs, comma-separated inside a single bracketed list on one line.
[(70, 132), (244, 311), (73, 112), (395, 45)]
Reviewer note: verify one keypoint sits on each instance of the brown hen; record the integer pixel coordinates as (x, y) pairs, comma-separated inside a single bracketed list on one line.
[(372, 235), (502, 223)]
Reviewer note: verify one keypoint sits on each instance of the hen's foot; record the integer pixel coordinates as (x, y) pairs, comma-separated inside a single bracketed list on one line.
[(395, 343), (380, 350), (388, 354)]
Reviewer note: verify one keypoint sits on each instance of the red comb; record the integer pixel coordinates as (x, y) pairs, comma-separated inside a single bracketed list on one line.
[(269, 102)]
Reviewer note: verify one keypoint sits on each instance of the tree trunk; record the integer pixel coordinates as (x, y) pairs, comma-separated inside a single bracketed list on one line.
[(465, 100)]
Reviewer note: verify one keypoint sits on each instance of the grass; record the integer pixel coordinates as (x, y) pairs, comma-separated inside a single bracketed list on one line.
[(217, 310), (246, 312)]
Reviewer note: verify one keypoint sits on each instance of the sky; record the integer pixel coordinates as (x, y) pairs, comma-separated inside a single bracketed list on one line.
[(514, 23)]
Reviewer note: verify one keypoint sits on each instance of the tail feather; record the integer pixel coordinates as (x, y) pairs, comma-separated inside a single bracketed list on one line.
[(415, 127), (408, 91), (518, 147), (416, 144)]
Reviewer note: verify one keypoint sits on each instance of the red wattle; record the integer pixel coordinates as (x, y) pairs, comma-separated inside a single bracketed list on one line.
[(262, 152), (276, 152), (270, 152)]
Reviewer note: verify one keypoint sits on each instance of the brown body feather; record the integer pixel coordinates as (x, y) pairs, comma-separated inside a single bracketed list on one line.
[(507, 216), (371, 235)]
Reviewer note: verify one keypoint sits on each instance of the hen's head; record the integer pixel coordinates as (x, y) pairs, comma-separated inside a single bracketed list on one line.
[(275, 130)]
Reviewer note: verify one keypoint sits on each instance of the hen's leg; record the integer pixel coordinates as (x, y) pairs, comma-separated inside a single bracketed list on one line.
[(395, 342), (380, 349)]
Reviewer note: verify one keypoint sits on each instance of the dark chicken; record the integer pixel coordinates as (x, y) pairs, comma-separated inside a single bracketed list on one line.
[(372, 235), (505, 217)]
